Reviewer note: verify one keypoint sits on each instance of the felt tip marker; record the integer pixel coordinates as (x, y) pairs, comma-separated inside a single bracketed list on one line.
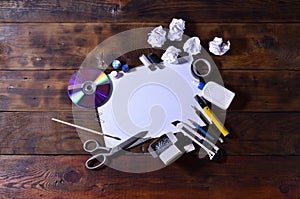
[(212, 116)]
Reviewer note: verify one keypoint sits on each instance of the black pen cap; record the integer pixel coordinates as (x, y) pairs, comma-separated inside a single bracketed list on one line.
[(175, 122), (201, 101)]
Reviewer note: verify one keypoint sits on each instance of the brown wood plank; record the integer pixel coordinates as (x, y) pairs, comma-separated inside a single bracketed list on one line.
[(64, 46), (141, 11), (66, 177), (36, 133), (251, 133), (47, 90)]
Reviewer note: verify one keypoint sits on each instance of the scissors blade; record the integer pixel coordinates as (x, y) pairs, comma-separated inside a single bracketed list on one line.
[(138, 142), (128, 142)]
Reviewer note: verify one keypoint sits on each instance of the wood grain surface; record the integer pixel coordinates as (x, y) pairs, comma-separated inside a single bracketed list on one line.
[(42, 43), (47, 90), (149, 11), (66, 177), (257, 45)]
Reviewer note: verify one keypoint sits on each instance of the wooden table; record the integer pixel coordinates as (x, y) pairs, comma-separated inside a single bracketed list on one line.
[(42, 43)]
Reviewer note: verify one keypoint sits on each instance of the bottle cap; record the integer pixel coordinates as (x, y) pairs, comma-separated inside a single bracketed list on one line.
[(201, 85), (125, 68)]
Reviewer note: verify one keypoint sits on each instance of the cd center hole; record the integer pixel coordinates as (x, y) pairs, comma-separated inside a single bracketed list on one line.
[(89, 88)]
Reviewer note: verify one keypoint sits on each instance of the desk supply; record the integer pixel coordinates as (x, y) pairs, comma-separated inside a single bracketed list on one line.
[(146, 62), (84, 128), (165, 148), (213, 117), (101, 157), (201, 68), (137, 109), (216, 94), (197, 138), (116, 64), (154, 58), (89, 88), (197, 126), (125, 68)]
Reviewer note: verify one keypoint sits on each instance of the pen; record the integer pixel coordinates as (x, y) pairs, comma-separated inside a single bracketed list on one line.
[(212, 116), (196, 137), (201, 129)]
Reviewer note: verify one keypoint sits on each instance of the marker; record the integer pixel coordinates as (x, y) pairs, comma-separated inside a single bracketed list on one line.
[(212, 116), (201, 129), (196, 137), (202, 113)]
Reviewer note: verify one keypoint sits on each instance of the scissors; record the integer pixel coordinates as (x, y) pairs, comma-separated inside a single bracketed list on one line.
[(107, 152)]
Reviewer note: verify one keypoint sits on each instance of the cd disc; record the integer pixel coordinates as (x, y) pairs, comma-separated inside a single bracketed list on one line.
[(89, 88)]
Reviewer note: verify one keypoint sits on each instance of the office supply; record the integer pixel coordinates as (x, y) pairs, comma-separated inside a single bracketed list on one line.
[(146, 62), (101, 157), (116, 74), (154, 58), (213, 117), (125, 68), (201, 68), (152, 100), (197, 138), (116, 64), (89, 88), (217, 94), (84, 128), (164, 148), (201, 129)]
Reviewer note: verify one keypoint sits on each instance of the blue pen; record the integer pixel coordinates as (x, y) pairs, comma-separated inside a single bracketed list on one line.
[(201, 130)]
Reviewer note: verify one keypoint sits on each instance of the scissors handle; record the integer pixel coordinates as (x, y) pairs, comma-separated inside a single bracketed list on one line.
[(95, 148), (100, 160)]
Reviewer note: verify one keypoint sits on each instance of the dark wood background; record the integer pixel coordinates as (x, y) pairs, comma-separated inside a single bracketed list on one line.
[(43, 42)]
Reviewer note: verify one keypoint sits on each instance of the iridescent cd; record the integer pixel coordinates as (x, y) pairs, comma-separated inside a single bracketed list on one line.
[(89, 88)]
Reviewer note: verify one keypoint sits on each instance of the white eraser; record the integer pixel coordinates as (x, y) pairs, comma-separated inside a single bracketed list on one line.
[(189, 148), (170, 155), (145, 60)]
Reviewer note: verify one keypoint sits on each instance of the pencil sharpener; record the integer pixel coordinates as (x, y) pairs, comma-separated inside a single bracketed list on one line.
[(165, 149)]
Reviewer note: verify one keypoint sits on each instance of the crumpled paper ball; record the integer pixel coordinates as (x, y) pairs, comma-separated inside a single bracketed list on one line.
[(217, 47), (192, 46), (157, 37), (176, 31), (171, 54)]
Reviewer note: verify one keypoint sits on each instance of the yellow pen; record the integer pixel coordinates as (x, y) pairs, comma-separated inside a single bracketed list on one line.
[(212, 116)]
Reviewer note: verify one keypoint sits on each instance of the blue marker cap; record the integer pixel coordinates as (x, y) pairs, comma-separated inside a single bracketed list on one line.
[(201, 85), (125, 68), (116, 64)]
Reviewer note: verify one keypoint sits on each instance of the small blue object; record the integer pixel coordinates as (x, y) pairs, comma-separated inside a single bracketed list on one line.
[(125, 68), (203, 131), (201, 85), (116, 64)]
